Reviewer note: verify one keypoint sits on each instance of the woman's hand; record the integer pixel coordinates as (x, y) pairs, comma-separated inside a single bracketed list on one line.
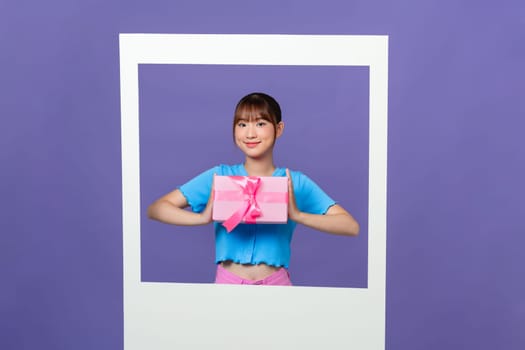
[(293, 212), (207, 214)]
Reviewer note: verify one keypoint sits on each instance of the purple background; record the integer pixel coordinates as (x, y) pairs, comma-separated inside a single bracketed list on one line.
[(455, 178), (186, 115)]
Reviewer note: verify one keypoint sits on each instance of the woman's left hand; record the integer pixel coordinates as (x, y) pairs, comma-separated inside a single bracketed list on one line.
[(293, 211)]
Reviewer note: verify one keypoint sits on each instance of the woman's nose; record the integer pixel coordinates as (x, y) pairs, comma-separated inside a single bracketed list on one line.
[(250, 132)]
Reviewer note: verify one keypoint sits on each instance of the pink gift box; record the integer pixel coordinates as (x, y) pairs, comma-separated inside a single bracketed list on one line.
[(250, 199)]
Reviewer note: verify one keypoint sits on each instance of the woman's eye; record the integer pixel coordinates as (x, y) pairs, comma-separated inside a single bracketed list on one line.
[(261, 124), (241, 125)]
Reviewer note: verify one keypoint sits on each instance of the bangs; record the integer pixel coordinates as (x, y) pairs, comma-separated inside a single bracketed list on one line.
[(253, 111)]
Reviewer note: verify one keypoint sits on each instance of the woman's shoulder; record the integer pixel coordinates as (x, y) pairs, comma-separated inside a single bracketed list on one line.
[(281, 171), (298, 177), (205, 177), (311, 196)]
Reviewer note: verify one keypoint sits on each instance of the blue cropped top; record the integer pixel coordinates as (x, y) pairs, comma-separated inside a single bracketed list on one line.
[(256, 243)]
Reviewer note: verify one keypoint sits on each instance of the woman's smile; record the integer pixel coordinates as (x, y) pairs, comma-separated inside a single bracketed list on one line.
[(251, 144)]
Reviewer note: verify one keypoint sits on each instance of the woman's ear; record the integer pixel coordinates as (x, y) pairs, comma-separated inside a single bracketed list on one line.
[(279, 130)]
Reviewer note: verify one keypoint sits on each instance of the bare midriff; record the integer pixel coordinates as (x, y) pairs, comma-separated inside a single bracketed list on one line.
[(248, 271)]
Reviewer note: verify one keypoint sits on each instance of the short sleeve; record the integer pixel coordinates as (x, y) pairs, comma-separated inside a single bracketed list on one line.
[(310, 198), (197, 190)]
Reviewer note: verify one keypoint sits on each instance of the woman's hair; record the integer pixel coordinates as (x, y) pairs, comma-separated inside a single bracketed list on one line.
[(258, 105)]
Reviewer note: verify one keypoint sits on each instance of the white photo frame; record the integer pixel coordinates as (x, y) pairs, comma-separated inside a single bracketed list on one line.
[(201, 316)]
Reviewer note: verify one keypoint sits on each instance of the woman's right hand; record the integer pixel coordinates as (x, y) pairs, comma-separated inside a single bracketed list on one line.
[(207, 213)]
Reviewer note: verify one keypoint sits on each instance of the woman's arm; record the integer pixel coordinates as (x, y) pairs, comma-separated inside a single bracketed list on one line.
[(336, 220), (170, 209)]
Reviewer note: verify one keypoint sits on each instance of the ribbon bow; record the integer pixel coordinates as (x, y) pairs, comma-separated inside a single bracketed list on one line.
[(250, 209)]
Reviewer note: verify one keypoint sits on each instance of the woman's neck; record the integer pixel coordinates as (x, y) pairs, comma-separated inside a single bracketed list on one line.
[(256, 167)]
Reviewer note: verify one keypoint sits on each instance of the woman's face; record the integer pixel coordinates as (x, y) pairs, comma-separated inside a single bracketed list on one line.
[(255, 136)]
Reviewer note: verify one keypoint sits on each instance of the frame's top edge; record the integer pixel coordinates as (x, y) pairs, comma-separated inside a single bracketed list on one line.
[(194, 35)]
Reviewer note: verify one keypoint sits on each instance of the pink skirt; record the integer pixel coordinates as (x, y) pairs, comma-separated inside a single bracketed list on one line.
[(280, 277)]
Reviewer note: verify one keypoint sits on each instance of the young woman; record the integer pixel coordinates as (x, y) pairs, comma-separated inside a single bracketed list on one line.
[(255, 253)]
